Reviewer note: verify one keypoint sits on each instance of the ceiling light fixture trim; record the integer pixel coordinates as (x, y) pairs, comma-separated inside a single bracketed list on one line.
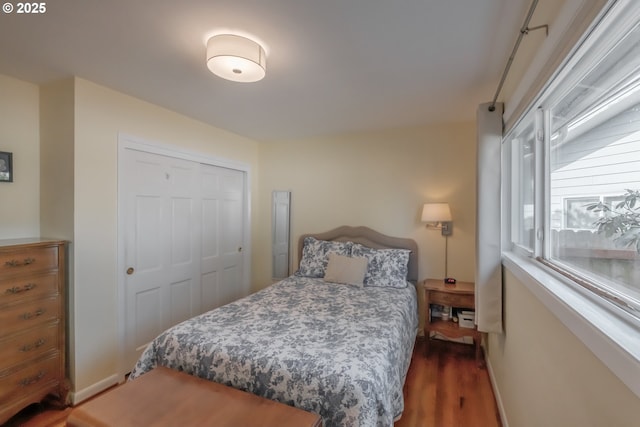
[(236, 58)]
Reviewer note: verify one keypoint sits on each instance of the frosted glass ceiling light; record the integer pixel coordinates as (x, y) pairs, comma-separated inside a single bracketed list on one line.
[(236, 58)]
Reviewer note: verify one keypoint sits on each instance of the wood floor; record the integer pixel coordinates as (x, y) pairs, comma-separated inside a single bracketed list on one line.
[(445, 390)]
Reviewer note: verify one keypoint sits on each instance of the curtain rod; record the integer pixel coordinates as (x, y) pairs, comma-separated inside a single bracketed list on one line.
[(524, 30)]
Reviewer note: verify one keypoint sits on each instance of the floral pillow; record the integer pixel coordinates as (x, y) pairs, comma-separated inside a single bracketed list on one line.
[(315, 256), (386, 268)]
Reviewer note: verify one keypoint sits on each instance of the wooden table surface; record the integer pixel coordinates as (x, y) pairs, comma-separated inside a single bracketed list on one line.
[(168, 398)]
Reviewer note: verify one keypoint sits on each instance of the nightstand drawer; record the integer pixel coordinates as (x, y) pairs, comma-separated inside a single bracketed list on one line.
[(444, 298)]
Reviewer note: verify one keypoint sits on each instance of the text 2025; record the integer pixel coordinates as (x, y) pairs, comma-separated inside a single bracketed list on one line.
[(31, 7)]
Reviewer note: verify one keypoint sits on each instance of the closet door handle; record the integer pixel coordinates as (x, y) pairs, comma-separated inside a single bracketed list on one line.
[(130, 271)]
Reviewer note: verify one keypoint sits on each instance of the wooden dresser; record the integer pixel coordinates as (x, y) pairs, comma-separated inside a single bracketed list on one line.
[(32, 327)]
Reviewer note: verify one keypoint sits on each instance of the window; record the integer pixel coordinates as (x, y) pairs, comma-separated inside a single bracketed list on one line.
[(523, 161), (579, 214), (588, 169), (576, 214)]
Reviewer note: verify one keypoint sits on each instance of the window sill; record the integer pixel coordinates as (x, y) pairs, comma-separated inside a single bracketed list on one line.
[(608, 331)]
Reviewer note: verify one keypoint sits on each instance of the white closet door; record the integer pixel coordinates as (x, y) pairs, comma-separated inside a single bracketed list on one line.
[(181, 231), (222, 235), (161, 232)]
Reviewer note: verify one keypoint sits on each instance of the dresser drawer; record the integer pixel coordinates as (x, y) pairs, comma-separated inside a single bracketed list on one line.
[(42, 373), (30, 287), (22, 316), (30, 344), (28, 260), (444, 298)]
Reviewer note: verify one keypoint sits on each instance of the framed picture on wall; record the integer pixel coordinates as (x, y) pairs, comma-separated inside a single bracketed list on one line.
[(6, 167)]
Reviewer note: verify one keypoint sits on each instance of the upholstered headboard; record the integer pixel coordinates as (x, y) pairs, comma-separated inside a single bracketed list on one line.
[(371, 238)]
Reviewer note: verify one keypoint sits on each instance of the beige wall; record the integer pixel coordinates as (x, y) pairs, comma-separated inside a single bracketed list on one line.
[(547, 377), (19, 134), (380, 180), (57, 110)]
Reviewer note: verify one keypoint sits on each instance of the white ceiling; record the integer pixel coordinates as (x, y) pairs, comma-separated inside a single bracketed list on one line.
[(333, 66)]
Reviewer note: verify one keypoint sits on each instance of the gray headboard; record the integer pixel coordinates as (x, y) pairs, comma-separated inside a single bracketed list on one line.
[(371, 238)]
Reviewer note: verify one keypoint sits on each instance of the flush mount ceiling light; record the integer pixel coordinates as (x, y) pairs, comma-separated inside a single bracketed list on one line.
[(236, 58)]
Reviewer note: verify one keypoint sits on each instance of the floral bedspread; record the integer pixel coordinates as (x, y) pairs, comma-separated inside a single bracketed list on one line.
[(337, 350)]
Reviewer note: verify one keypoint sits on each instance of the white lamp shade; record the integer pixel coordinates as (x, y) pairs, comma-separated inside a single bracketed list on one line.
[(236, 58), (436, 212)]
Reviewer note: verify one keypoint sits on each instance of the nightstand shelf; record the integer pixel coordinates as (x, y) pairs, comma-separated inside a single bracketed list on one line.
[(449, 328), (459, 295)]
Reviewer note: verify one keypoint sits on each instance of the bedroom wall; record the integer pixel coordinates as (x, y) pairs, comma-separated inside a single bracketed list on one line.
[(380, 180), (56, 158), (546, 376), (99, 115), (19, 134)]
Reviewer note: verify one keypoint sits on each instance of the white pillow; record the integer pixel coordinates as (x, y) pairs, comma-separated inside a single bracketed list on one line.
[(344, 269)]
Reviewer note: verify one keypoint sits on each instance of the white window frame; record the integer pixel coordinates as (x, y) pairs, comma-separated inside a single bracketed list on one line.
[(610, 332), (514, 164)]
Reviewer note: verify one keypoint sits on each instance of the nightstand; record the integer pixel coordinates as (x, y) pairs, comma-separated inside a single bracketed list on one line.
[(459, 295)]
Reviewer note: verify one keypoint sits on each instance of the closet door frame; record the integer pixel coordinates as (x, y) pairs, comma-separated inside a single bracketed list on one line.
[(129, 142)]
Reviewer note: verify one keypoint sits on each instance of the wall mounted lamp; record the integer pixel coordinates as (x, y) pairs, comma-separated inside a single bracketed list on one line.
[(438, 217), (236, 58)]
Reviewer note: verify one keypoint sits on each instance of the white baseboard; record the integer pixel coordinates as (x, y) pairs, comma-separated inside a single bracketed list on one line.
[(496, 394), (88, 392)]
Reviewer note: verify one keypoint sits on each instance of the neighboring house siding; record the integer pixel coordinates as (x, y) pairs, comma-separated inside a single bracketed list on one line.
[(597, 164)]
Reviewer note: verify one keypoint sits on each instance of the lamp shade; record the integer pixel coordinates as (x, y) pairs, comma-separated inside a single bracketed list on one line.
[(236, 58), (436, 212)]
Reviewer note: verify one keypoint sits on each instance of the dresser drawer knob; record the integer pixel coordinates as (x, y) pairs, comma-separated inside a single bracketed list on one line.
[(27, 316), (16, 263), (32, 380), (29, 347), (18, 289)]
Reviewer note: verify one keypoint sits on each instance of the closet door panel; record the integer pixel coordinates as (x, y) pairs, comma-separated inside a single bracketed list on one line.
[(181, 233)]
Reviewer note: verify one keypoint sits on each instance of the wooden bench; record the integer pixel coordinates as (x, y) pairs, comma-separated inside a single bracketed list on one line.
[(168, 398)]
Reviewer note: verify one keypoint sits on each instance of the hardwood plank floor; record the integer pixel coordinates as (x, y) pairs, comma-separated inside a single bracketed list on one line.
[(39, 415), (447, 389)]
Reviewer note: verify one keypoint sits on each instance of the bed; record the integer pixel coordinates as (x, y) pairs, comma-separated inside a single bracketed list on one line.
[(340, 348)]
